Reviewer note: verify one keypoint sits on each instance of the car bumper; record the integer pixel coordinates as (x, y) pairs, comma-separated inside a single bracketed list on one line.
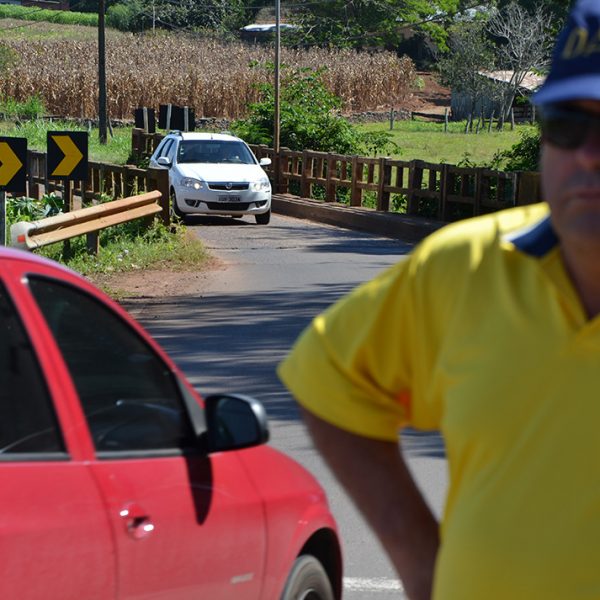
[(240, 203)]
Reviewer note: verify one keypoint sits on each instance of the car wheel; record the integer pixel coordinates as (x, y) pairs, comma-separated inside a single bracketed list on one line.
[(307, 581), (175, 210), (264, 218)]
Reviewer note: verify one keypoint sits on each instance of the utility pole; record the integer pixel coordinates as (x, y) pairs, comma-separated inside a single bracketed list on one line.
[(277, 76), (102, 113)]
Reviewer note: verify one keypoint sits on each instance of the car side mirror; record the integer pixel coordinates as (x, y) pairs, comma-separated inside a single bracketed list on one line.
[(264, 162), (234, 421), (163, 161)]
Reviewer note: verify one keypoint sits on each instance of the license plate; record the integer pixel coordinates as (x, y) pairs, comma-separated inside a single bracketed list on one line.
[(229, 198)]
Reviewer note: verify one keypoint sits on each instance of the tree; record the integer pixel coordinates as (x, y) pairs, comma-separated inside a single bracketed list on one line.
[(373, 23), (470, 54), (308, 118), (137, 15), (523, 43)]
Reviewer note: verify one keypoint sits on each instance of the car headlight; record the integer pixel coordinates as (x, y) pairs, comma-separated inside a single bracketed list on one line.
[(190, 182), (262, 185)]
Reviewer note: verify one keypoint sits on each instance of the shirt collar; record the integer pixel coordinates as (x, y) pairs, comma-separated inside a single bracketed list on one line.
[(536, 240)]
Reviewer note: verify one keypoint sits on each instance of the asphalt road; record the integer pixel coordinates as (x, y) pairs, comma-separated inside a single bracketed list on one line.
[(231, 335)]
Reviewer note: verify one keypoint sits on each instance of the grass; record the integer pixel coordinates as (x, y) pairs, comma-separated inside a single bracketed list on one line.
[(416, 140), (63, 17), (132, 247), (423, 140), (115, 151)]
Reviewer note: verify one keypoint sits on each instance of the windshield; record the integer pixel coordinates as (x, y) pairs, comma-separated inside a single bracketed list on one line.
[(214, 151)]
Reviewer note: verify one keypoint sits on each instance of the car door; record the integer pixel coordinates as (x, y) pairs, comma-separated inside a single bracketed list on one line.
[(186, 525), (55, 539)]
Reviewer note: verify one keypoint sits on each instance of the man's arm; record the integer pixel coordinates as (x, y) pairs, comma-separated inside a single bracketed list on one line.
[(376, 477)]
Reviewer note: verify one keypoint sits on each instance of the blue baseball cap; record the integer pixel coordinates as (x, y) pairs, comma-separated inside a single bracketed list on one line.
[(575, 68)]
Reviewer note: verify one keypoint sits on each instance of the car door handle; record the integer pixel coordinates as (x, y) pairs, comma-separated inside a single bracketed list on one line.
[(137, 522)]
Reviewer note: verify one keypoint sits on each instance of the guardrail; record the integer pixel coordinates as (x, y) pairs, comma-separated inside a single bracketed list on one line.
[(84, 221)]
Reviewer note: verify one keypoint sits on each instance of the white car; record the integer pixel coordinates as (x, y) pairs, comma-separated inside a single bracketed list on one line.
[(214, 174)]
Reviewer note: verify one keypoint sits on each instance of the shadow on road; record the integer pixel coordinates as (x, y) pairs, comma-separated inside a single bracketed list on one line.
[(256, 331)]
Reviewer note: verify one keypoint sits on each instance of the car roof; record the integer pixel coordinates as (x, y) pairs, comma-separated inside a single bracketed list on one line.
[(7, 253), (190, 135)]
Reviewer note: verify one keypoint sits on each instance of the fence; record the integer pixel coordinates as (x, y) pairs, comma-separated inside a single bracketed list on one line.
[(418, 188), (114, 181)]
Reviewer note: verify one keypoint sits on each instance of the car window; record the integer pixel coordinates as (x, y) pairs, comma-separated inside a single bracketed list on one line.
[(28, 424), (214, 151), (164, 150), (129, 395)]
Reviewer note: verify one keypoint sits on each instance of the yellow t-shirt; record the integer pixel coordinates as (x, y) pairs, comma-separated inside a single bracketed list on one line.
[(480, 334)]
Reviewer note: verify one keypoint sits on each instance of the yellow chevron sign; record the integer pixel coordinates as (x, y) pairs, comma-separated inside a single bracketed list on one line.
[(67, 155), (13, 157), (72, 156)]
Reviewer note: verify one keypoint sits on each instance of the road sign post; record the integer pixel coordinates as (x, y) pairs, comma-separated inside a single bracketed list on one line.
[(13, 161), (2, 218), (67, 160)]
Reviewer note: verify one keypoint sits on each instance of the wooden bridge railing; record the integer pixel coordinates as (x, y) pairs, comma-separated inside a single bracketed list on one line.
[(113, 181), (441, 191)]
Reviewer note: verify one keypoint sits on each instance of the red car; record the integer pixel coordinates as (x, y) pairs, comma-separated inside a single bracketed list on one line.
[(118, 481)]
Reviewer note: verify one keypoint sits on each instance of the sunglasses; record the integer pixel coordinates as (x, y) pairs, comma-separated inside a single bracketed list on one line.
[(568, 128)]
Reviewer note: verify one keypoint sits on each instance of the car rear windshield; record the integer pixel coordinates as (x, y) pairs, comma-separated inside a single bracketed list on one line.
[(214, 151)]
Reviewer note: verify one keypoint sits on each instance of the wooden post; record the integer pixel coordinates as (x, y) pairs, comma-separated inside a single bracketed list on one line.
[(357, 176), (477, 185), (528, 188), (158, 179), (443, 191), (136, 142), (305, 186), (330, 187), (2, 218), (283, 184), (415, 181), (491, 121), (391, 118), (129, 182), (446, 120), (385, 178), (67, 207), (93, 243)]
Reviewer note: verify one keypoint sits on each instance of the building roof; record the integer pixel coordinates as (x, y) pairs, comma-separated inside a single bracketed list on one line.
[(267, 27), (530, 82)]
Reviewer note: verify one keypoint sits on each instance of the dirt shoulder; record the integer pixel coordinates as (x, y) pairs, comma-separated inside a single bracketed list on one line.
[(155, 283)]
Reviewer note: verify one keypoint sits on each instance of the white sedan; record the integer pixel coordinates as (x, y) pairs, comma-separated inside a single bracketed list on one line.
[(214, 174)]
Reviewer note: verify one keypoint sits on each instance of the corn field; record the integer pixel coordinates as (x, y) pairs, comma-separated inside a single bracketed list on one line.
[(215, 78)]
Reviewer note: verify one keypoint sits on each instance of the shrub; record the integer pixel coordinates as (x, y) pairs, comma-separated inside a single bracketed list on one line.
[(525, 154), (309, 118)]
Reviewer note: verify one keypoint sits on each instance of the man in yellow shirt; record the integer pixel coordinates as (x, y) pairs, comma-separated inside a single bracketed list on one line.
[(489, 332)]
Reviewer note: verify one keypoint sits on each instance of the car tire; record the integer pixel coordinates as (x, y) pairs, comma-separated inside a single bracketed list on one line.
[(175, 210), (264, 218), (307, 581)]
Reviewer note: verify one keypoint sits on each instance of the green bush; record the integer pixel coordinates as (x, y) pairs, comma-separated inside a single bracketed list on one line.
[(125, 17), (309, 118), (30, 209), (525, 154)]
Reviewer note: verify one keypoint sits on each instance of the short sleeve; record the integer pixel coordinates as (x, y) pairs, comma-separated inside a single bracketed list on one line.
[(352, 365)]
